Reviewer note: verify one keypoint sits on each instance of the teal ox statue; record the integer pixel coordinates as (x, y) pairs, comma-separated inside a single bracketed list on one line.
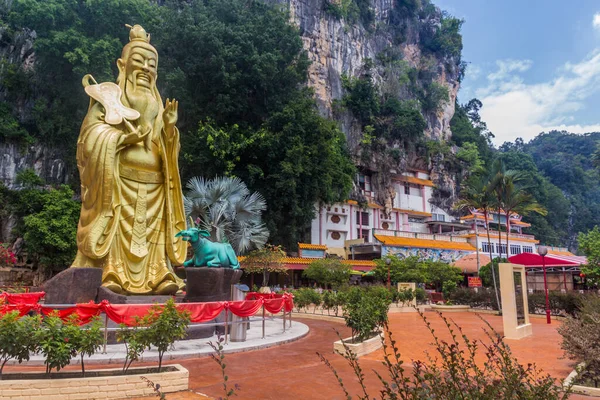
[(207, 253)]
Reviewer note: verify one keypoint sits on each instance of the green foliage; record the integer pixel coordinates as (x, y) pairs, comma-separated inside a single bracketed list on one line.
[(304, 297), (50, 234), (88, 340), (589, 243), (366, 310), (264, 261), (434, 97), (17, 337), (57, 341), (166, 324), (225, 208), (415, 269), (485, 272), (352, 11), (581, 340), (459, 370), (135, 339), (483, 298), (10, 129), (361, 97), (219, 358), (328, 272), (446, 40), (29, 179)]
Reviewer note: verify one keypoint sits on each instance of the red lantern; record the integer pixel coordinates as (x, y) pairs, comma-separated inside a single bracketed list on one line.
[(582, 275)]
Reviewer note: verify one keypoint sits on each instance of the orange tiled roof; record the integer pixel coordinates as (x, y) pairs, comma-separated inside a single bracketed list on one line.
[(309, 246), (494, 235), (560, 253), (520, 223), (481, 217), (413, 212), (423, 243), (353, 202), (416, 181), (300, 260)]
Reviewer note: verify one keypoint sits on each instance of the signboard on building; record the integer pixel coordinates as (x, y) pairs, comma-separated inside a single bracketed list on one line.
[(475, 281)]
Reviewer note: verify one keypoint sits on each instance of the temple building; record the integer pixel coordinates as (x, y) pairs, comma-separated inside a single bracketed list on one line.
[(414, 226)]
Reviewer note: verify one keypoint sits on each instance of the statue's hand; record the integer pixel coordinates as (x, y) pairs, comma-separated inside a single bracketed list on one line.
[(170, 117), (138, 135)]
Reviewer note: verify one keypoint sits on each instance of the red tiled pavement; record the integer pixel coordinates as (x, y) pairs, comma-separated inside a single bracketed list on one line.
[(293, 371)]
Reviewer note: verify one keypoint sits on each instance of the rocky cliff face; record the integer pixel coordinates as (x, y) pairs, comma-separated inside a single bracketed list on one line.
[(339, 47)]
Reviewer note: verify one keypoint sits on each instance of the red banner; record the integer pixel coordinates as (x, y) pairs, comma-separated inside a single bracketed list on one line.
[(21, 298), (128, 313), (474, 281)]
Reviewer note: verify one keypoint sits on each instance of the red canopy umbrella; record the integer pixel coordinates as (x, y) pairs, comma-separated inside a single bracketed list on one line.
[(535, 260)]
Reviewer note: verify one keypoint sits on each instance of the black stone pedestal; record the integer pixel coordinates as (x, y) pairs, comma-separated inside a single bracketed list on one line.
[(209, 284), (73, 285)]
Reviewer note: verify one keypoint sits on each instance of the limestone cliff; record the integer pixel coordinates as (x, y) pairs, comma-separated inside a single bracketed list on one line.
[(340, 46)]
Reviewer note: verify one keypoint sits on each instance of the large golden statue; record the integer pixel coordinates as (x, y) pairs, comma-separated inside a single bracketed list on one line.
[(132, 204)]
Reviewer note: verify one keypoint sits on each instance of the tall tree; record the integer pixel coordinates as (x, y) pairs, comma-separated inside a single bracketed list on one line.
[(477, 194), (517, 200)]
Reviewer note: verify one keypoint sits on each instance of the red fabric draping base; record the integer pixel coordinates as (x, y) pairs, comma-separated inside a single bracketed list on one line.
[(21, 298), (127, 314)]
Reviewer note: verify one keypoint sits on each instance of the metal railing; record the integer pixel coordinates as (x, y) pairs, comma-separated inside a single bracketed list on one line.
[(193, 326), (418, 235)]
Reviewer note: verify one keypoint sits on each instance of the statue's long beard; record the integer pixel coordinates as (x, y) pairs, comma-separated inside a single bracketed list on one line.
[(144, 101)]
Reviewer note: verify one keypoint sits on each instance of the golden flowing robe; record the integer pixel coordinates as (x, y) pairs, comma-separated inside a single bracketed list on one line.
[(132, 206)]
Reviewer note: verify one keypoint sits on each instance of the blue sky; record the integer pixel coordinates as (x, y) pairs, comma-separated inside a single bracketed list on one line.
[(535, 64)]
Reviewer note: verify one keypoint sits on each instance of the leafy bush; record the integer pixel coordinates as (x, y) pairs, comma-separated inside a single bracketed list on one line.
[(366, 310), (166, 325), (88, 340), (420, 295), (483, 298), (560, 303), (304, 297), (136, 341), (581, 339), (328, 272), (7, 257), (17, 337), (457, 372), (57, 341), (415, 269)]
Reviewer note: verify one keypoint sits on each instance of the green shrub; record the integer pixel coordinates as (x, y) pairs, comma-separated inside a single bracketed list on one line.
[(581, 339), (166, 325), (366, 310), (420, 295), (17, 337), (57, 341), (87, 340), (328, 272), (136, 341), (560, 303), (483, 298)]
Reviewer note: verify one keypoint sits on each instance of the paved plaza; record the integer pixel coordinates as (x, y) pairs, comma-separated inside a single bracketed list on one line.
[(294, 371)]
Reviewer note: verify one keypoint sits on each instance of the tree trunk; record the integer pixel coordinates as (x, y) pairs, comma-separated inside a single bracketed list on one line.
[(487, 226), (82, 367), (507, 233), (265, 281)]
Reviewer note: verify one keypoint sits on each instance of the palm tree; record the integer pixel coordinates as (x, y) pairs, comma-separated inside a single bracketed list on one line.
[(518, 201), (225, 207), (500, 180), (476, 195)]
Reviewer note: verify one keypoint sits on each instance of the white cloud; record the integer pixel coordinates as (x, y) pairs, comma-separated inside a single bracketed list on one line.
[(506, 67), (596, 21), (473, 72), (512, 108)]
